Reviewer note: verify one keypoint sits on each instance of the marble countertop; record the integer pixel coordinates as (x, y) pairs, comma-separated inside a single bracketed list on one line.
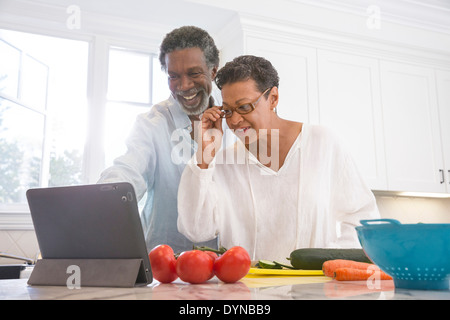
[(249, 288)]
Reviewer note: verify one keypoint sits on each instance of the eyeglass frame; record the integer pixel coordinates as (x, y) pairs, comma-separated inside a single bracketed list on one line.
[(252, 105)]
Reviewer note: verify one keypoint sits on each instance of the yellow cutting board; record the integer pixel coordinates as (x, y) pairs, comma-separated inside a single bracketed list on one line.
[(257, 277), (283, 272)]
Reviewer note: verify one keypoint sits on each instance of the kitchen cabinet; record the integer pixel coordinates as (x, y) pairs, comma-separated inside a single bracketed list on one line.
[(443, 90), (297, 68), (414, 158), (349, 102)]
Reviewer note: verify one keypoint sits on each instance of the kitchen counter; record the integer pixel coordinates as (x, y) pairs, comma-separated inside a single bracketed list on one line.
[(249, 288)]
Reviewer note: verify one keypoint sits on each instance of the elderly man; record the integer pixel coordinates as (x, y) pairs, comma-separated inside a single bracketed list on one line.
[(152, 163)]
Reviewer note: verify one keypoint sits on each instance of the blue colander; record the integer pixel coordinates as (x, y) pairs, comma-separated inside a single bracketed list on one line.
[(416, 256)]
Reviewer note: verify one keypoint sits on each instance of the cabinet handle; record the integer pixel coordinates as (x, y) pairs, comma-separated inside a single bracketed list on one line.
[(448, 176), (442, 175)]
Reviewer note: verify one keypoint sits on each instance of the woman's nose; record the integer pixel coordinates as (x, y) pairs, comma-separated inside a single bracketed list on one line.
[(235, 119)]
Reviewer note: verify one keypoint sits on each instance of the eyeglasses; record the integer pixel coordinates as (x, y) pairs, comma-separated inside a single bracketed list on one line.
[(243, 109)]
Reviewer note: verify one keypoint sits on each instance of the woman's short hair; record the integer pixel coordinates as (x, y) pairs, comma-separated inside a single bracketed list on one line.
[(248, 67), (189, 37)]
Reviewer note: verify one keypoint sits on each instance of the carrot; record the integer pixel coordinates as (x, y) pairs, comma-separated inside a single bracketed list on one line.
[(328, 267), (349, 274)]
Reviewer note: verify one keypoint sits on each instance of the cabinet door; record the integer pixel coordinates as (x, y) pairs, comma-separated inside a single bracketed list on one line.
[(411, 123), (296, 67), (349, 102), (443, 89)]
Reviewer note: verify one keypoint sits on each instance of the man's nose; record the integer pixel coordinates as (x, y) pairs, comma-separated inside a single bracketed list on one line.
[(185, 83)]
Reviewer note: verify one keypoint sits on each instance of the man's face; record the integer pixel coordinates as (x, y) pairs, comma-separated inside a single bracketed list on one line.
[(190, 79)]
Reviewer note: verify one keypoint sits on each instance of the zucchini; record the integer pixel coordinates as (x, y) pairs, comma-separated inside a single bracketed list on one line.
[(313, 258)]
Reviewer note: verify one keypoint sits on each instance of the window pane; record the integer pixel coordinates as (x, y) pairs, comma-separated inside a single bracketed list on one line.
[(66, 105), (129, 76), (120, 118), (34, 81), (9, 69), (160, 89), (20, 151)]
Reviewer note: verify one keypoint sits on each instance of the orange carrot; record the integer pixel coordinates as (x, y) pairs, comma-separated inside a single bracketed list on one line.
[(349, 274), (328, 267)]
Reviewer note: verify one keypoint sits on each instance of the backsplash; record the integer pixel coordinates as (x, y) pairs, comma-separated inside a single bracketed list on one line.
[(405, 209), (414, 210)]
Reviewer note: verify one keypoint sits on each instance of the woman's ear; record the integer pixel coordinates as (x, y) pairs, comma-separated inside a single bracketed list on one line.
[(273, 98)]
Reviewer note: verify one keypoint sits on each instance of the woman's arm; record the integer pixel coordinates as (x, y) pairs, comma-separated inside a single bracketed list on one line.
[(197, 203)]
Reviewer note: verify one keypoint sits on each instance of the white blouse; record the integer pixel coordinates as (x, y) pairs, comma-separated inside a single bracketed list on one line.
[(314, 200)]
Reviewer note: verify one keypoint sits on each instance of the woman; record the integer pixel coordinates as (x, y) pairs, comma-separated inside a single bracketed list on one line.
[(297, 186)]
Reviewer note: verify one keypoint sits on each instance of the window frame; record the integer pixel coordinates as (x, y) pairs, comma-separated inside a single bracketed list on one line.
[(17, 217), (17, 208)]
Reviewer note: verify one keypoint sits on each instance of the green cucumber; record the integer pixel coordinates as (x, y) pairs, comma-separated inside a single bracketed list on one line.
[(313, 258)]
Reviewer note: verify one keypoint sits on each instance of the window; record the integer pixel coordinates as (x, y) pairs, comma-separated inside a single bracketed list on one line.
[(44, 111), (43, 83), (135, 82)]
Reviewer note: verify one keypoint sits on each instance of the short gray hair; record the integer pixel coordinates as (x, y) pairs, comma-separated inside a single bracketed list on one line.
[(247, 67), (189, 37)]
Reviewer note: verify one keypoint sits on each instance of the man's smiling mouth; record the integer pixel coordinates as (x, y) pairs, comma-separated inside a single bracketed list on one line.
[(190, 97)]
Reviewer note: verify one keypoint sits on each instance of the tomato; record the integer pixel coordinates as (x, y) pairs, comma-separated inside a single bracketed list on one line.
[(194, 266), (232, 265), (163, 263), (213, 256)]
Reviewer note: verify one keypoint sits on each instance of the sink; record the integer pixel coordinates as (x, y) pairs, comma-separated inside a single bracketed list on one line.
[(15, 271), (11, 271)]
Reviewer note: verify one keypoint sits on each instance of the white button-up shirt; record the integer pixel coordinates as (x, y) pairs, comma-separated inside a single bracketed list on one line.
[(314, 200)]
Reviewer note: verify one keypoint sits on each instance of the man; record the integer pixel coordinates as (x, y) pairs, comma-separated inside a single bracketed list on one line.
[(152, 162)]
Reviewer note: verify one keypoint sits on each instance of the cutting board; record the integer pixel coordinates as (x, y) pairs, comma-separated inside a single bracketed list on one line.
[(283, 272), (257, 278)]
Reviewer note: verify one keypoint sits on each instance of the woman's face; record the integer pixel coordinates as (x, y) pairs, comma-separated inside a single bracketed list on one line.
[(247, 126)]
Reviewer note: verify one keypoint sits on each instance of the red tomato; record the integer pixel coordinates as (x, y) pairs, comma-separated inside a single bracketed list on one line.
[(194, 266), (163, 263), (213, 256), (232, 265)]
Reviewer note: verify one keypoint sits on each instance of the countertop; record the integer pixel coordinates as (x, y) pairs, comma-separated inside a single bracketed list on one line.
[(249, 288)]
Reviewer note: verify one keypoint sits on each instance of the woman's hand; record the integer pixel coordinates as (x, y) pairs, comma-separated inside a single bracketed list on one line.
[(211, 133)]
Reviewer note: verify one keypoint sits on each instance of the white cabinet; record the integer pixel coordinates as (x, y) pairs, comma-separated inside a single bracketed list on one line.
[(394, 115), (297, 69), (349, 103), (414, 159), (443, 86)]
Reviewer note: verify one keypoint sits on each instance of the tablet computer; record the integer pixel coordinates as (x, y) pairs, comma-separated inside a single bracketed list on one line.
[(98, 221)]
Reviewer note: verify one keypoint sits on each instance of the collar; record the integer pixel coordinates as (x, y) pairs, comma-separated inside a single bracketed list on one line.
[(180, 118)]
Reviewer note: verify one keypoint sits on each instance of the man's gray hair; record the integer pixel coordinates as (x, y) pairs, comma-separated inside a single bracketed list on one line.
[(189, 37)]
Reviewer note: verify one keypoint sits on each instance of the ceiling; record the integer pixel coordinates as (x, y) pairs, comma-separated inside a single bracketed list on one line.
[(170, 13), (214, 14)]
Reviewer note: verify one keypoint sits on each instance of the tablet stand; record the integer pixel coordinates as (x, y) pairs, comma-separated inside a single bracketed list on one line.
[(91, 272)]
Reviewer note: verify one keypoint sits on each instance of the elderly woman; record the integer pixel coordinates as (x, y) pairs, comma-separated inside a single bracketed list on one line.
[(283, 185)]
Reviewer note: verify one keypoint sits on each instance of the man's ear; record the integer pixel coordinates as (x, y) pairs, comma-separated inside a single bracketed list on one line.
[(213, 72)]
